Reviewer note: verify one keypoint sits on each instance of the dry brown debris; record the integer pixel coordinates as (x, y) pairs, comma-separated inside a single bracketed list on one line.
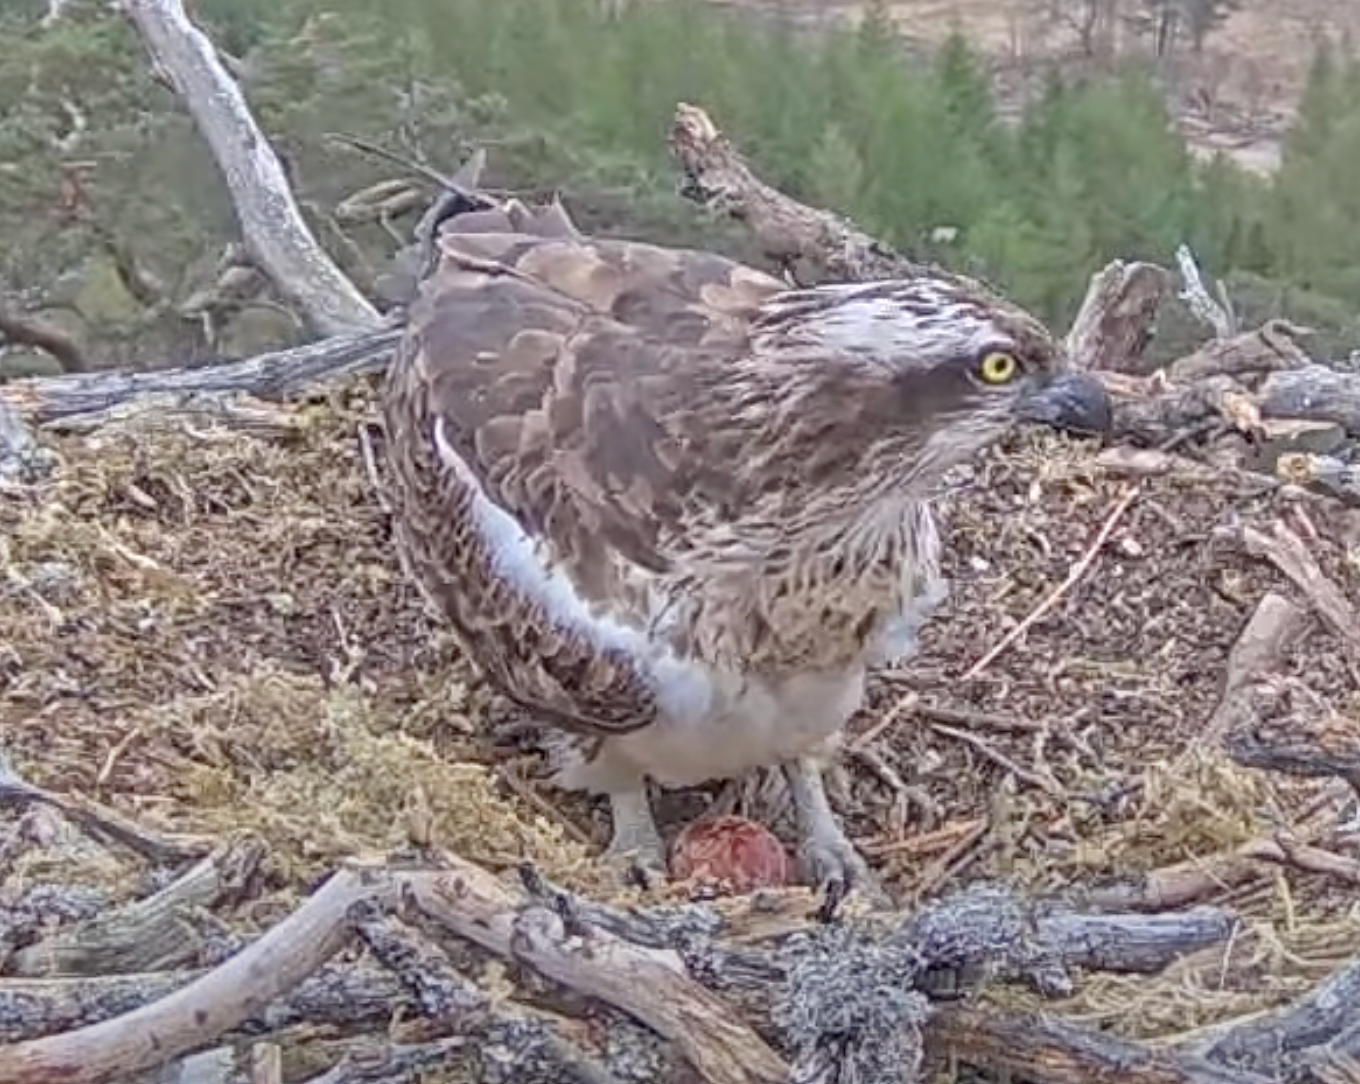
[(208, 630)]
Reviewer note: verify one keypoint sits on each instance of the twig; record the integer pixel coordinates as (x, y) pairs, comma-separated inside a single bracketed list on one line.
[(102, 823), (1287, 552), (1048, 785), (1073, 576)]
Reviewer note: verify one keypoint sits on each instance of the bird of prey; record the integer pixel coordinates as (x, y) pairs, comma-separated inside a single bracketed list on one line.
[(676, 509)]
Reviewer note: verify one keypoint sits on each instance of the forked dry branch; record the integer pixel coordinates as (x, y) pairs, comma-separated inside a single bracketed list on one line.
[(394, 955)]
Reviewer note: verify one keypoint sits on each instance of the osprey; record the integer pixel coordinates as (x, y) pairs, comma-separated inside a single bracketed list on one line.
[(677, 510)]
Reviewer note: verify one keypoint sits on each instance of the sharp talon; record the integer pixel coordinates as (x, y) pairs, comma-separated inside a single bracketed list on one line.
[(837, 868)]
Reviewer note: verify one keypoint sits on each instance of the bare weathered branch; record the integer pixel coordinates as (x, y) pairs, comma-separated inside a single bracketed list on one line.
[(18, 329), (21, 457), (101, 822), (810, 244), (275, 233), (1261, 647), (62, 401), (148, 934), (206, 1008), (1316, 392), (1049, 1051), (1196, 297), (1114, 324)]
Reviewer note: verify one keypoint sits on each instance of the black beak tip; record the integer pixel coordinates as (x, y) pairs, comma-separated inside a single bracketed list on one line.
[(1074, 402)]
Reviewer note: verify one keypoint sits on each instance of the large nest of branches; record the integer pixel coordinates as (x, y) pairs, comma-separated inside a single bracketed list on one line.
[(209, 631), (251, 795)]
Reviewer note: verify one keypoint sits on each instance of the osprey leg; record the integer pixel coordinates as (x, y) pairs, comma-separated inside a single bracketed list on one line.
[(636, 838), (826, 851)]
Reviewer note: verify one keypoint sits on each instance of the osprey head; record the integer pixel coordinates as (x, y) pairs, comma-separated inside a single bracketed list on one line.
[(923, 372)]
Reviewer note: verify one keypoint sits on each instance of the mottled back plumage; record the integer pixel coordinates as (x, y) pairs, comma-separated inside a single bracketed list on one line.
[(651, 485)]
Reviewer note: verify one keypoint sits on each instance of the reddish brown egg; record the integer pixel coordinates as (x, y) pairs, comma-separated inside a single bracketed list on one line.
[(738, 853)]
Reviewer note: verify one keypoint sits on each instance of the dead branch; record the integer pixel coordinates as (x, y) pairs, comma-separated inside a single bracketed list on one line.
[(810, 245), (1261, 647), (1217, 314), (650, 984), (194, 1015), (275, 233), (61, 402), (1316, 392), (1273, 347), (101, 823), (1051, 1051), (149, 934), (336, 996), (17, 329), (1114, 324), (1271, 1042), (1212, 387), (1288, 553), (22, 459), (678, 969)]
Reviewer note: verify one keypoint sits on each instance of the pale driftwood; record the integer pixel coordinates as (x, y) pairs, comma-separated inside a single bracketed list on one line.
[(340, 997), (650, 984), (275, 232), (196, 1014), (149, 934), (68, 402), (1216, 313)]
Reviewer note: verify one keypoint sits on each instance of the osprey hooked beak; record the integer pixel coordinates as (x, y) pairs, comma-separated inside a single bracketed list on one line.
[(1074, 401)]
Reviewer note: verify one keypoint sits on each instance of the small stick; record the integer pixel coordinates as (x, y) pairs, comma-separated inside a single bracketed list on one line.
[(1078, 570), (1049, 786)]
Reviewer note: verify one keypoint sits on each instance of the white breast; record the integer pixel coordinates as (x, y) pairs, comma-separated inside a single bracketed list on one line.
[(751, 724)]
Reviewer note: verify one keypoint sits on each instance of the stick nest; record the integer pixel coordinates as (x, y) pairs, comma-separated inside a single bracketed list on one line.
[(209, 631)]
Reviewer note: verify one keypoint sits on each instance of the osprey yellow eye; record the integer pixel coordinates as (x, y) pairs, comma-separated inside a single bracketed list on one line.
[(997, 367)]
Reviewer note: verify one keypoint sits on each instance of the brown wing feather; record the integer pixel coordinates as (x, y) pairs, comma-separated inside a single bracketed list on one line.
[(550, 361)]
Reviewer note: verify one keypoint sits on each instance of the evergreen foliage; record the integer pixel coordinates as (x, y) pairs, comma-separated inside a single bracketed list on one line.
[(571, 93)]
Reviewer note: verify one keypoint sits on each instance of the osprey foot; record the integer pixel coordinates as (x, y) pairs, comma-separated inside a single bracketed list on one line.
[(826, 852), (828, 859), (635, 848)]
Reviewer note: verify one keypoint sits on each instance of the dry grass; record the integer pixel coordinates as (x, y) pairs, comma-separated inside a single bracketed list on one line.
[(209, 631)]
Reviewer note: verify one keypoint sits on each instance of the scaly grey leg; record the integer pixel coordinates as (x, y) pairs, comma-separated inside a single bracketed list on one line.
[(636, 840), (826, 851)]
